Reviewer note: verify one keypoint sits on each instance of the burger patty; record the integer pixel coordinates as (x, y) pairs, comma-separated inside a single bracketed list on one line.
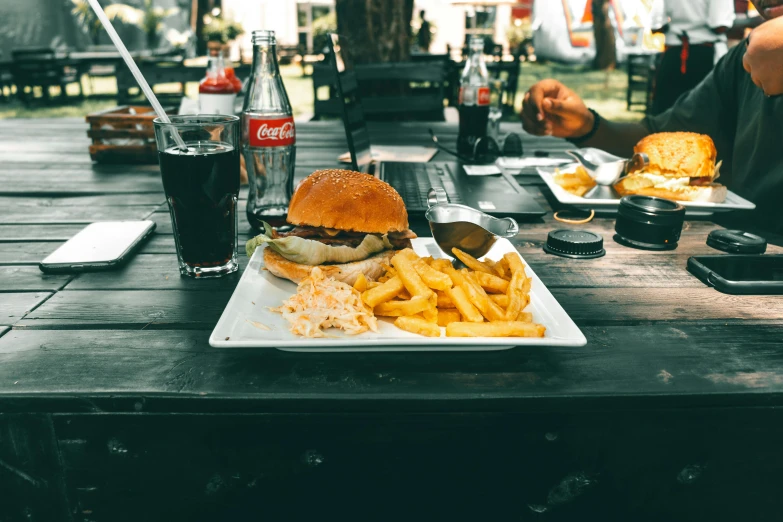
[(346, 238)]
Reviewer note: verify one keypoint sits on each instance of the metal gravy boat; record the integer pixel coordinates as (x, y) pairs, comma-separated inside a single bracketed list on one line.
[(466, 228)]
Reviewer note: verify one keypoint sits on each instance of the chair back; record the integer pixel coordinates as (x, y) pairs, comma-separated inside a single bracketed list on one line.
[(388, 91), (39, 66)]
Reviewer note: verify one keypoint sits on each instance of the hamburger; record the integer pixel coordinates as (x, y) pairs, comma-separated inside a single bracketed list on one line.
[(346, 223), (681, 167)]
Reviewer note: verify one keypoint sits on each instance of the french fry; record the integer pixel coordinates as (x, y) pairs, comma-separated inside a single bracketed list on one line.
[(445, 301), (440, 264), (446, 317), (499, 299), (404, 266), (417, 326), (495, 329), (374, 284), (404, 294), (514, 263), (516, 298), (457, 278), (361, 283), (389, 270), (525, 317), (400, 308), (490, 263), (502, 266), (480, 299), (433, 278), (382, 293), (430, 315), (471, 262), (465, 307), (492, 283), (500, 269)]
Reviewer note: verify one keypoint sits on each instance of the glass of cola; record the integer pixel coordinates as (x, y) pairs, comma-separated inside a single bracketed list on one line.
[(202, 186)]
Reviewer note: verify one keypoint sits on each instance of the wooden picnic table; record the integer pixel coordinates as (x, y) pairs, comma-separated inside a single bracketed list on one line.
[(114, 407)]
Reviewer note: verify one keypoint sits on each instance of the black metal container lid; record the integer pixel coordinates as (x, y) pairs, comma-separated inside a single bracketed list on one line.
[(737, 242), (575, 244)]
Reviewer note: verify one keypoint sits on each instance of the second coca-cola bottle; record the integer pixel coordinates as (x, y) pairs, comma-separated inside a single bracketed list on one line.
[(473, 98), (269, 136)]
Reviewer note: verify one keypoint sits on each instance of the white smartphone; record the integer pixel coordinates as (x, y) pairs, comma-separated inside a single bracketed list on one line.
[(98, 246)]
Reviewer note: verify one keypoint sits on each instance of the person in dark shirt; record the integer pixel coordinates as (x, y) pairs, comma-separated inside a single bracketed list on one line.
[(737, 105), (424, 37)]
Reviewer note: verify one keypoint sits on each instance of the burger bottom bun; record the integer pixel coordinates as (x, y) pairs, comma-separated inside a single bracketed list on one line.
[(372, 267), (705, 194)]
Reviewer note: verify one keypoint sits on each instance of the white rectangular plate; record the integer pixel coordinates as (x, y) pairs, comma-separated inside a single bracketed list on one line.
[(247, 321), (733, 201)]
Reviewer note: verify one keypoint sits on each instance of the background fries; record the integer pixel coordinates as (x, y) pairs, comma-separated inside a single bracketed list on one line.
[(487, 299)]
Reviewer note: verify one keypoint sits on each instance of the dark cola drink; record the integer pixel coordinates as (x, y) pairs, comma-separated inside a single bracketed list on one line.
[(472, 126), (473, 99), (202, 186)]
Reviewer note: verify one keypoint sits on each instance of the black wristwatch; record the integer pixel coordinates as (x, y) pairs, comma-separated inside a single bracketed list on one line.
[(582, 139)]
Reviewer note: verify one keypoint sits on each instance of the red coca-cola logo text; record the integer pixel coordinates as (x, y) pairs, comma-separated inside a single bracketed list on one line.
[(483, 96), (279, 132)]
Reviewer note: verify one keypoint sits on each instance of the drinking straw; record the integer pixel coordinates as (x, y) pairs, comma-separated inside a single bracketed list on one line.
[(134, 69)]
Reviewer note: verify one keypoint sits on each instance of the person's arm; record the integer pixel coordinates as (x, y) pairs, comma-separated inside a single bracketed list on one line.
[(764, 56), (552, 109), (720, 15)]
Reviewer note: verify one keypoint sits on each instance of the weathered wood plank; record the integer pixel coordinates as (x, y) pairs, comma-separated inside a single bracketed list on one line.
[(13, 305), (132, 309), (109, 200), (39, 232), (30, 279), (152, 272), (587, 306), (679, 360), (15, 215), (26, 252)]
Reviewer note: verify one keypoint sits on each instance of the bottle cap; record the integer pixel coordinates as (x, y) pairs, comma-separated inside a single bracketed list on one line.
[(575, 244), (737, 242)]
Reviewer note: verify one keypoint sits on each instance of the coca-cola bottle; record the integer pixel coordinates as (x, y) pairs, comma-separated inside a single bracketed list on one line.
[(269, 136), (216, 92), (473, 98)]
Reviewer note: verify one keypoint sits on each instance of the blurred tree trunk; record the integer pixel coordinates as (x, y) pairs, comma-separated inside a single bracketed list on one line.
[(377, 30), (605, 50)]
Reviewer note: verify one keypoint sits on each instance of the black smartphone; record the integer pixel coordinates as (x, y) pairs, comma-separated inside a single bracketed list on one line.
[(740, 274), (98, 246)]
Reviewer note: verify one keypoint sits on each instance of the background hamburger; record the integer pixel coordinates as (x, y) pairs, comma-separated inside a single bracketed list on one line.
[(347, 223), (682, 167)]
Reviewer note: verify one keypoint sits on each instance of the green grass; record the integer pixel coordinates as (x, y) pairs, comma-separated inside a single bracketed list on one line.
[(605, 92)]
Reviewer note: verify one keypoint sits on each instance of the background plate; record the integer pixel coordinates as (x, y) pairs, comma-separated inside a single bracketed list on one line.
[(733, 201), (247, 321)]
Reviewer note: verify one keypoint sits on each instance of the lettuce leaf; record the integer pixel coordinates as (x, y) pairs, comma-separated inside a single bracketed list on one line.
[(310, 252)]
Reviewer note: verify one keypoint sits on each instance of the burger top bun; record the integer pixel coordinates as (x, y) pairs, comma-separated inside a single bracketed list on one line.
[(679, 154), (347, 200)]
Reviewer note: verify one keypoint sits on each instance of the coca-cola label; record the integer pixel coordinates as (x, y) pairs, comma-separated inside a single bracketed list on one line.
[(279, 132), (483, 96), (474, 96)]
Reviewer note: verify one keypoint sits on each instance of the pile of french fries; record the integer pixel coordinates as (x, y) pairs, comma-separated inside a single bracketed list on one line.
[(487, 299), (578, 182)]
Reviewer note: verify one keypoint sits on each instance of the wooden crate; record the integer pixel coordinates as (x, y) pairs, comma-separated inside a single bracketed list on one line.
[(124, 135)]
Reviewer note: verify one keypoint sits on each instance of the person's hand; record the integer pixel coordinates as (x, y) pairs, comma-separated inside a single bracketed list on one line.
[(550, 108), (764, 57)]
